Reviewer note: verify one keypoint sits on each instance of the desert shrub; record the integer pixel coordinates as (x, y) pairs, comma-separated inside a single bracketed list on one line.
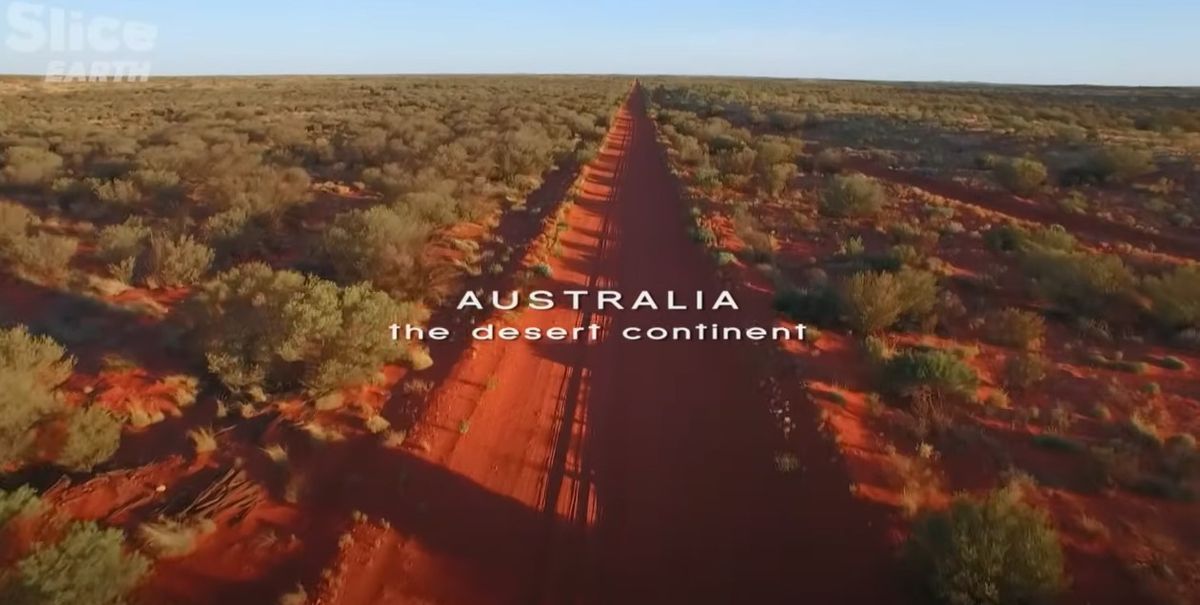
[(31, 369), (43, 256), (88, 565), (279, 330), (872, 301), (775, 178), (990, 551), (1022, 176), (261, 190), (118, 242), (14, 224), (851, 196), (941, 371), (1119, 164), (1013, 238), (29, 167), (18, 503), (1025, 370), (170, 263), (816, 304), (169, 538), (92, 436), (1080, 282), (1171, 362), (1015, 328), (380, 245), (1175, 297)]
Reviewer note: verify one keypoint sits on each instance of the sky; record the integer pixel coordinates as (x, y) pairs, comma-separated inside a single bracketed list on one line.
[(1131, 42)]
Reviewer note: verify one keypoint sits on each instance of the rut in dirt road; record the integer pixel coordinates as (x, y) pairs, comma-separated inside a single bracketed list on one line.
[(616, 471)]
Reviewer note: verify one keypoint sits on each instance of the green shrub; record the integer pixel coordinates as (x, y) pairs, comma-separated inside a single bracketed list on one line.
[(851, 196), (29, 167), (18, 503), (1025, 370), (990, 551), (31, 369), (88, 565), (873, 301), (43, 256), (1120, 164), (170, 263), (276, 331), (383, 246), (1081, 282), (1170, 362), (941, 371), (92, 436), (118, 244), (1175, 297), (1015, 328), (1022, 176), (816, 304)]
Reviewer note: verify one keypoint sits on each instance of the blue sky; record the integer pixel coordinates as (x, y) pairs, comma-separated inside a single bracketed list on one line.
[(1047, 41)]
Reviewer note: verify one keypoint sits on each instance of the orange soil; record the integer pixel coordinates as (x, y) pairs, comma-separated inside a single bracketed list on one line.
[(615, 471)]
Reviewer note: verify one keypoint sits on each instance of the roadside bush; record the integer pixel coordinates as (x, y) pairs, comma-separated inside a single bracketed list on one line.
[(1022, 176), (170, 263), (851, 196), (88, 565), (275, 331), (1175, 297), (1015, 328), (941, 371), (990, 551), (1025, 370)]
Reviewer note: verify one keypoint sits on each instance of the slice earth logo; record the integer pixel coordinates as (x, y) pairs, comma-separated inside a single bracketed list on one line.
[(79, 47)]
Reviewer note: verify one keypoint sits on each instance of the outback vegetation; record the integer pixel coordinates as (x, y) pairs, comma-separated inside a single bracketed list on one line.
[(208, 268), (997, 274)]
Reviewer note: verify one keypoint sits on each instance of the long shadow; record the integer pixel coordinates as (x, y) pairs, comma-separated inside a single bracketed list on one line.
[(677, 456)]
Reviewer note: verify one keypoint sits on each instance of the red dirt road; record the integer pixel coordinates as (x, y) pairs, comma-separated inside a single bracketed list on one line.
[(614, 471)]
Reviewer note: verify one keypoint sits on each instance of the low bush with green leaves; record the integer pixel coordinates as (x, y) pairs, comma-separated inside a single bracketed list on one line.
[(87, 565), (1175, 297), (872, 301), (169, 263), (1025, 370), (1015, 328), (1023, 176), (262, 330), (943, 372), (994, 550), (852, 196)]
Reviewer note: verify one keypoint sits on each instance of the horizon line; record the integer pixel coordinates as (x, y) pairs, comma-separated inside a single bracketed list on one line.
[(618, 74)]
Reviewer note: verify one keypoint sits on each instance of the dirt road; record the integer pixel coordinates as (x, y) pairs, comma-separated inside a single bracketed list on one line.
[(614, 471)]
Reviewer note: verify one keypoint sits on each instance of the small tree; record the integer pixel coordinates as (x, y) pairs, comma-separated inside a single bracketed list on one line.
[(991, 551), (851, 196), (31, 369)]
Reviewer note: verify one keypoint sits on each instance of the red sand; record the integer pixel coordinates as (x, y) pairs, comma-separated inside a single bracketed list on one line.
[(616, 472)]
